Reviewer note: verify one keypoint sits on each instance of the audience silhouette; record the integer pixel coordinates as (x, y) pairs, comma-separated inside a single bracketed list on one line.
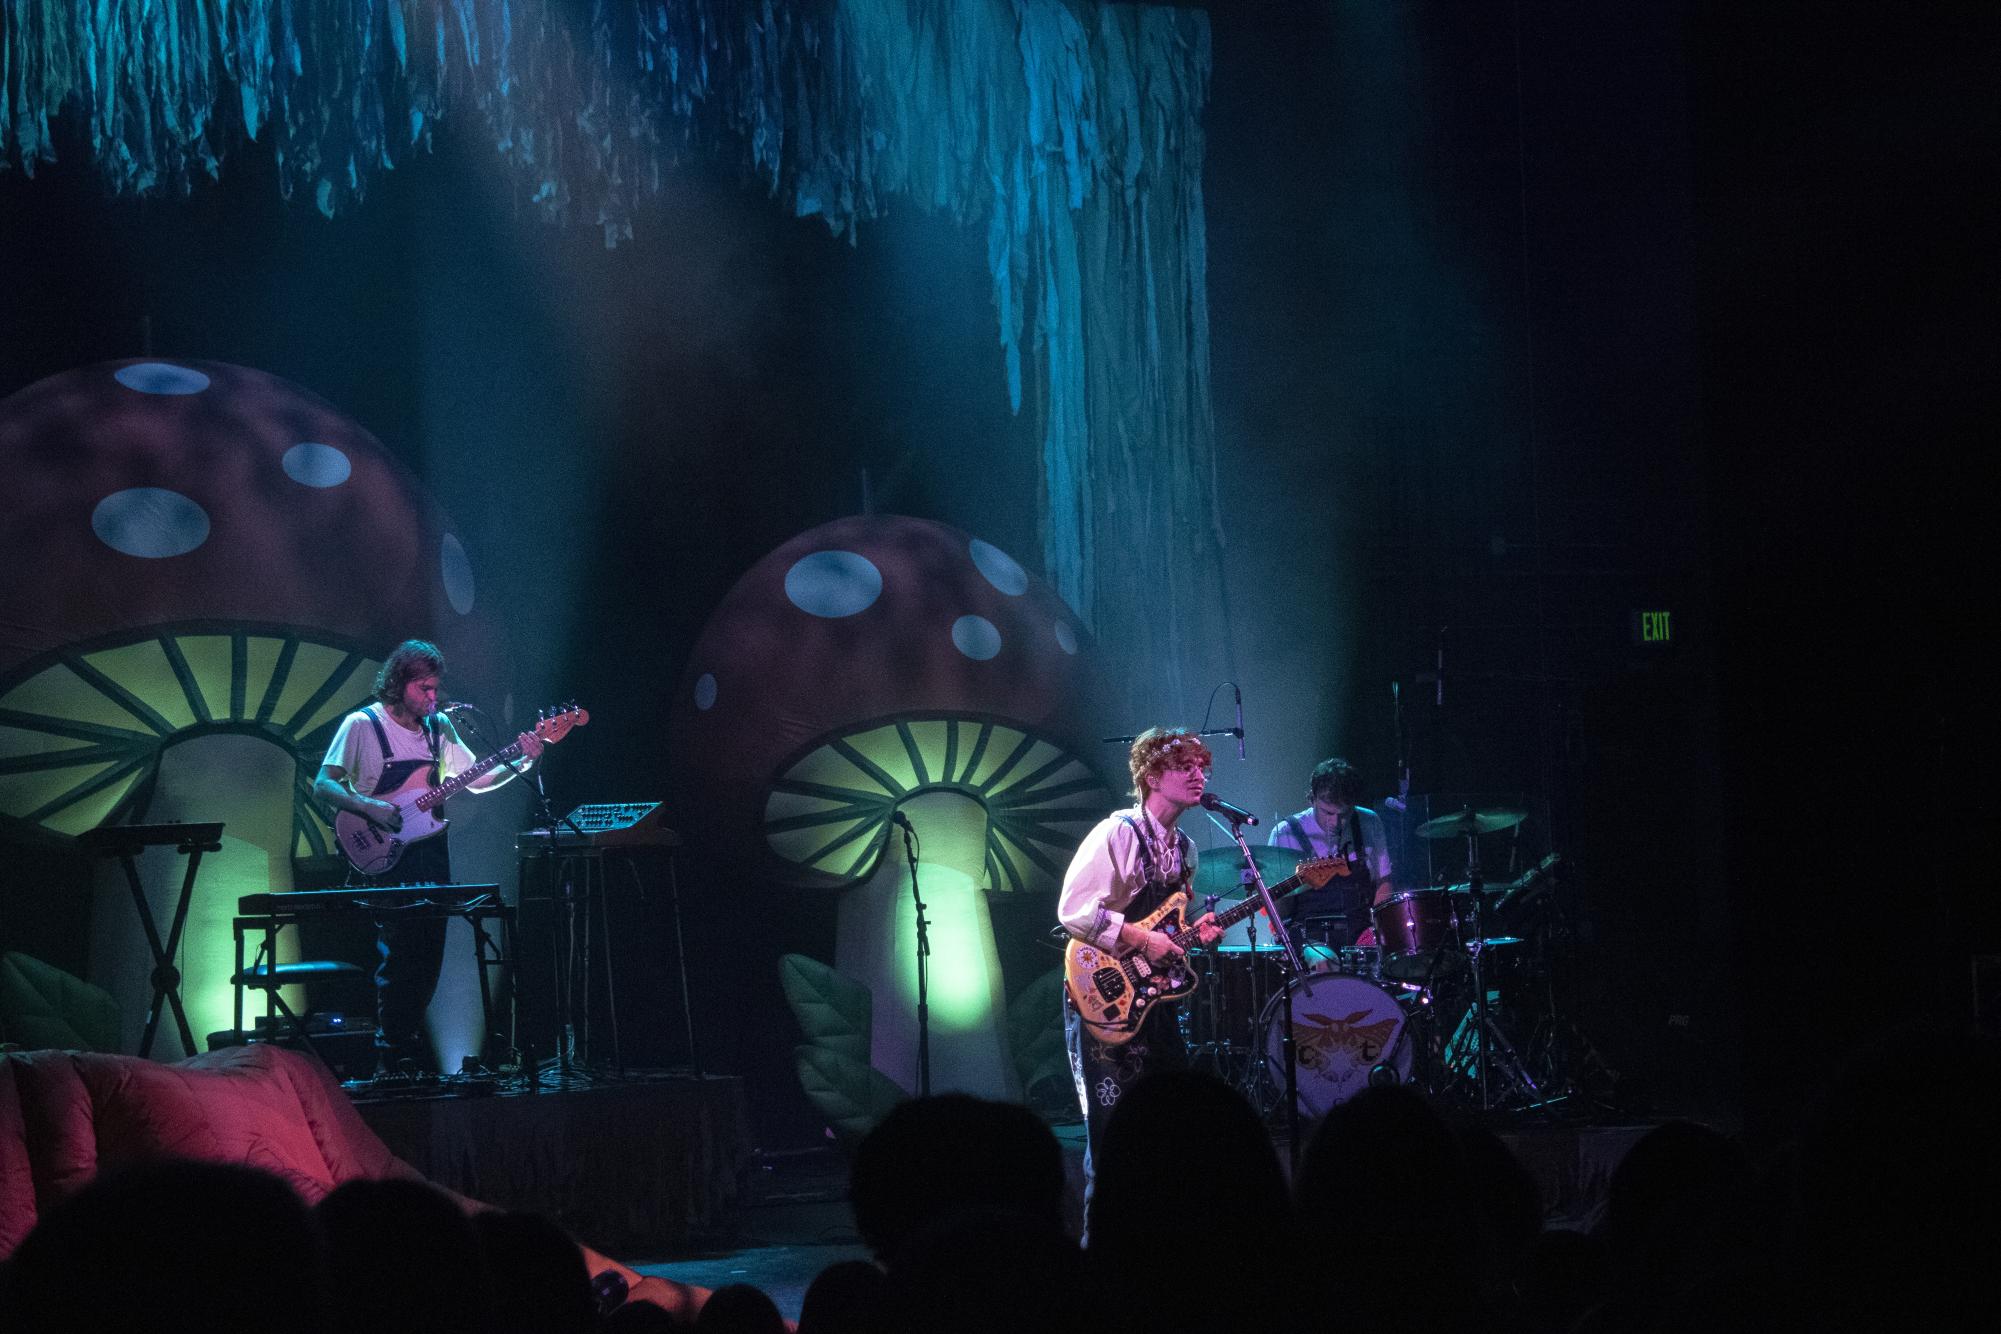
[(1187, 1172), (172, 1245), (1882, 1214), (931, 1157), (405, 1260)]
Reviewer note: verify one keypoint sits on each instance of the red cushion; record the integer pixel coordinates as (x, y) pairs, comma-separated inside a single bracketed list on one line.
[(64, 1115)]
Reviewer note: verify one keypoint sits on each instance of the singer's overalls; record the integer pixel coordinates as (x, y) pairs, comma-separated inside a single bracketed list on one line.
[(411, 950), (1103, 1071)]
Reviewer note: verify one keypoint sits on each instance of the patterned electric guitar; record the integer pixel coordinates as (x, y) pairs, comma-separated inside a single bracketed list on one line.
[(1115, 993)]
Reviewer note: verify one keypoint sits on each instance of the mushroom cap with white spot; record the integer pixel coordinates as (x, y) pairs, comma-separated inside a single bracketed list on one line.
[(157, 491), (866, 618)]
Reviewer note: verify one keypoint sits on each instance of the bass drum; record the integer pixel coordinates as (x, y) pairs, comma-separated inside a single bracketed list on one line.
[(1343, 1027)]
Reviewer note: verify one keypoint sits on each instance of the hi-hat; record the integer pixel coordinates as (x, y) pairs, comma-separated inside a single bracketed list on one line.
[(1221, 871), (1469, 821)]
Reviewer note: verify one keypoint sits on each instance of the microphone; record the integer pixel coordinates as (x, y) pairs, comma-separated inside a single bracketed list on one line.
[(453, 706), (898, 817), (1234, 814), (1240, 721)]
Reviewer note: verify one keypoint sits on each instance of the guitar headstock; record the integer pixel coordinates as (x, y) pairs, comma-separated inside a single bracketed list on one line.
[(552, 725), (1320, 870)]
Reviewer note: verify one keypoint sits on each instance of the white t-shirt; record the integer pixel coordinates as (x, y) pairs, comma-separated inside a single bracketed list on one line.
[(355, 750), (1328, 843)]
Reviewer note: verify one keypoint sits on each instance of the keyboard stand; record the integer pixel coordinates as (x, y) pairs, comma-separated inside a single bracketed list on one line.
[(477, 904), (126, 842)]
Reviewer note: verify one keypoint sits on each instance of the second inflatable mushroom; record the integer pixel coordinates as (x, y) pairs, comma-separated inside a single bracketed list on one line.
[(880, 666)]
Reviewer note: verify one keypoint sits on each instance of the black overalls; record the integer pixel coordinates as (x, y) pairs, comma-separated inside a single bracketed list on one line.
[(1103, 1071), (411, 951)]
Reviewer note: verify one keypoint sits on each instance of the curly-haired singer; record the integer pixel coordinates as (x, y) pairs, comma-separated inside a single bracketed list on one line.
[(1125, 868)]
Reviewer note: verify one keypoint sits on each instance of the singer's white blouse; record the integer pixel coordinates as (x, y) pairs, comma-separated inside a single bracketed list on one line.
[(1107, 873)]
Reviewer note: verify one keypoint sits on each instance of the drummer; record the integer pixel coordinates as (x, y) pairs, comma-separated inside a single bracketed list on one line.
[(1334, 825)]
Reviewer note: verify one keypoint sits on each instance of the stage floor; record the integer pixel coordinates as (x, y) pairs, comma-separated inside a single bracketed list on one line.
[(795, 1223)]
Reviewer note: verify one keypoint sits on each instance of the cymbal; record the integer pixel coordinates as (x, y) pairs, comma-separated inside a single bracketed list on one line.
[(1221, 870), (1469, 821)]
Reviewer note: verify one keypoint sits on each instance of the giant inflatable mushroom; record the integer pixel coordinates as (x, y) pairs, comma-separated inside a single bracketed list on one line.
[(201, 560), (883, 665)]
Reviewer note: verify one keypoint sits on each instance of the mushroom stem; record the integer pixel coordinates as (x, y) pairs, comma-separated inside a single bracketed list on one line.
[(876, 944), (245, 782)]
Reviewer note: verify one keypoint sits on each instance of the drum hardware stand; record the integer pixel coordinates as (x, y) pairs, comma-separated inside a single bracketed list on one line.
[(1489, 1039), (1294, 963), (1384, 1071), (1207, 999), (1253, 1055)]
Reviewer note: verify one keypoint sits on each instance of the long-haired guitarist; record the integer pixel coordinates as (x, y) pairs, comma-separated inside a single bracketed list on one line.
[(378, 750), (1126, 867)]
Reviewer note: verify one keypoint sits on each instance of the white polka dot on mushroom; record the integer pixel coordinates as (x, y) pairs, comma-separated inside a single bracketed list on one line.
[(158, 377), (833, 583), (316, 465), (456, 570), (149, 521), (705, 691), (1066, 638), (1001, 569), (976, 637)]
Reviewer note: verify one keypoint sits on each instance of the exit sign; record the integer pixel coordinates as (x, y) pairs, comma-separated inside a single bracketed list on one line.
[(1652, 627)]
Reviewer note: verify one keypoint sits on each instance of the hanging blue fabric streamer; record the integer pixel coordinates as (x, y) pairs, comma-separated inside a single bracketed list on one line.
[(1068, 137)]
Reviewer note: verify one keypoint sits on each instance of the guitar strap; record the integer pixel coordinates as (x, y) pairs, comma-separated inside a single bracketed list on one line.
[(395, 771)]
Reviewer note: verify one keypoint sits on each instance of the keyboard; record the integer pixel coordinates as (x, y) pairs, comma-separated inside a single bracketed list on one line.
[(612, 824), (366, 898)]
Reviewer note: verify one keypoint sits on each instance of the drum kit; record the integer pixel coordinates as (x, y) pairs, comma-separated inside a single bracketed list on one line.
[(1410, 1000)]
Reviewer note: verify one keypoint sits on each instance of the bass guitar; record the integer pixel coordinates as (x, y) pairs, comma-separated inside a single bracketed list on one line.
[(1115, 993), (371, 849)]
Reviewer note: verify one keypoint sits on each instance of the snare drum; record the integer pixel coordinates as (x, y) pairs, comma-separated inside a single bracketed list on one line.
[(1342, 1028), (1418, 933), (1361, 960)]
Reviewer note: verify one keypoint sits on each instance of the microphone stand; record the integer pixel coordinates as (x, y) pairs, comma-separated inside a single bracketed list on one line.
[(547, 819), (1295, 965), (923, 969), (1236, 732)]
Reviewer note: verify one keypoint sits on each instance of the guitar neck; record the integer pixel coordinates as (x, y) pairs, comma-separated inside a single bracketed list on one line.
[(433, 796), (1229, 917)]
